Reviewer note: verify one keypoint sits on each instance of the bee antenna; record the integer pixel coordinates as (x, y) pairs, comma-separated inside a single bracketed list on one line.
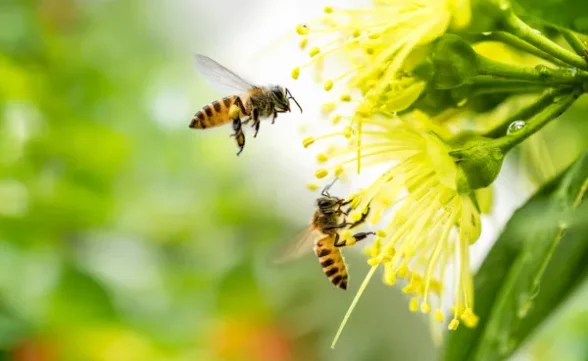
[(325, 191), (291, 97)]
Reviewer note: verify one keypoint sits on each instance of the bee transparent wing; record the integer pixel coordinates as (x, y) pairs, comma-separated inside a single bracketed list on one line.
[(219, 77), (300, 245)]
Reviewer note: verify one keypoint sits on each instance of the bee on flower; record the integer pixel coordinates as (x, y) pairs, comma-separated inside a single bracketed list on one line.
[(427, 220)]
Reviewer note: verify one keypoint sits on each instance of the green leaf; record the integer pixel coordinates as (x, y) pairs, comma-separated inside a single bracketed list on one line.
[(569, 14), (535, 265), (80, 299)]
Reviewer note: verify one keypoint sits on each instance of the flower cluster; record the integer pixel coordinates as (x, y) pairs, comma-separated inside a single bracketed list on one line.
[(412, 89), (374, 50), (431, 223), (423, 222)]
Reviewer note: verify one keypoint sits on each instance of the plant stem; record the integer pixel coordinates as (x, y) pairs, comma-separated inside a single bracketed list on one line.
[(540, 73), (519, 44), (526, 113), (488, 85), (558, 105), (519, 28), (575, 42)]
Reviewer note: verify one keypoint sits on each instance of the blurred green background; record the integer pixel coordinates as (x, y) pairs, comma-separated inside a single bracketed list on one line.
[(125, 238)]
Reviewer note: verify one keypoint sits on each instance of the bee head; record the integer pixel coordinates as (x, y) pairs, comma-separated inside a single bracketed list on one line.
[(326, 203), (281, 97)]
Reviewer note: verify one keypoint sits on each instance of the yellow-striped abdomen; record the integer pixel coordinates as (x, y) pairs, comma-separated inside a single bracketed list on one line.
[(213, 114), (332, 261)]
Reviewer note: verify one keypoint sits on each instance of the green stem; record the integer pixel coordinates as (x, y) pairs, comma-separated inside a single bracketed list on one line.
[(490, 81), (519, 28), (540, 73), (559, 105), (575, 42), (489, 85), (525, 113), (519, 44)]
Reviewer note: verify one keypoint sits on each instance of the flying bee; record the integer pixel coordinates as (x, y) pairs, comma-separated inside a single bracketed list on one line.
[(323, 232), (250, 103)]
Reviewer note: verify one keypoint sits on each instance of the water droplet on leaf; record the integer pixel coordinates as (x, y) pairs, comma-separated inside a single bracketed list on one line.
[(515, 126)]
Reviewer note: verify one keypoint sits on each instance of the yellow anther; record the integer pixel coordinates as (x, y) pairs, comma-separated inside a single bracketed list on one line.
[(302, 29), (295, 73), (321, 173), (322, 158), (303, 42), (374, 261), (355, 202), (439, 316), (425, 308), (381, 233), (312, 186), (328, 107), (375, 248), (308, 142), (338, 170), (336, 119), (390, 278), (390, 251), (413, 304), (345, 98), (469, 318), (314, 51), (374, 36), (402, 271), (356, 216), (453, 325), (348, 132), (356, 33), (328, 85), (369, 50), (407, 289), (328, 9)]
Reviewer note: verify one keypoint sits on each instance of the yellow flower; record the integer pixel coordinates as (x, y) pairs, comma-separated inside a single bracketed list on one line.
[(379, 46), (432, 224)]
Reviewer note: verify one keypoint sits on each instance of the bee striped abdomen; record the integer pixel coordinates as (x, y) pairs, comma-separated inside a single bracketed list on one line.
[(213, 114), (332, 262)]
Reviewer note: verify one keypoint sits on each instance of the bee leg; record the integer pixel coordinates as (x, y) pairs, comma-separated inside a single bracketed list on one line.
[(360, 236), (239, 136), (338, 226), (274, 117), (255, 124)]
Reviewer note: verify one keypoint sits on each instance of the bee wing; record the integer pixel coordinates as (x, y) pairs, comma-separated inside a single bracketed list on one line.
[(300, 245), (219, 77)]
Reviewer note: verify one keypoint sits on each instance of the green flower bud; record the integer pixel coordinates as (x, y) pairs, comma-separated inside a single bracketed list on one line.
[(479, 161), (454, 60)]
